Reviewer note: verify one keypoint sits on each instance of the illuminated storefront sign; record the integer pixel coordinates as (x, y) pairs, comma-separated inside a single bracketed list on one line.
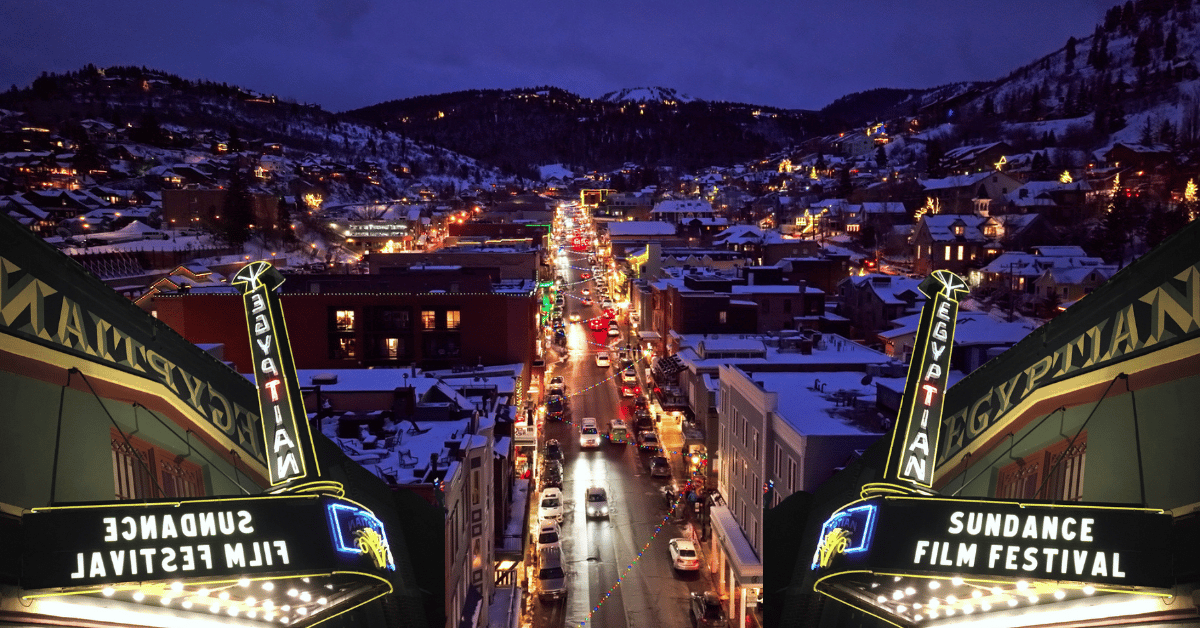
[(911, 458), (303, 557), (288, 440), (379, 229), (999, 554)]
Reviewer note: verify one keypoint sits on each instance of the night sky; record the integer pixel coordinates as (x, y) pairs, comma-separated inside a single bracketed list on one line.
[(343, 54)]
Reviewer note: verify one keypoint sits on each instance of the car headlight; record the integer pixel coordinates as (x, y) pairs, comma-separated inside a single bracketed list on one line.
[(604, 511)]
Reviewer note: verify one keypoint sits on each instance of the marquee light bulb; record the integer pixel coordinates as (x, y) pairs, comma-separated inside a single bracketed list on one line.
[(302, 610), (166, 601), (138, 596), (322, 601), (985, 607), (269, 616), (901, 609), (933, 602), (177, 586), (1033, 599), (995, 590), (918, 617), (949, 612), (233, 611), (916, 606), (1060, 594), (1022, 585), (251, 614), (933, 584), (243, 582), (187, 603), (976, 593), (881, 599), (896, 579), (285, 608), (293, 593), (1089, 589), (956, 581), (968, 609), (284, 620), (305, 597), (909, 591), (251, 600), (268, 604), (268, 586), (224, 595), (897, 594), (950, 599), (108, 591), (202, 592), (1012, 601), (215, 608)]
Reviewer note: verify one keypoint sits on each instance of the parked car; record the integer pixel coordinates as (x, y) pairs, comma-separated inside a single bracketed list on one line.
[(613, 331), (556, 407), (684, 556), (648, 440), (589, 433), (574, 318), (629, 376), (659, 467), (548, 534), (705, 610), (602, 359), (552, 474), (551, 506), (553, 450), (551, 579), (630, 390), (597, 502)]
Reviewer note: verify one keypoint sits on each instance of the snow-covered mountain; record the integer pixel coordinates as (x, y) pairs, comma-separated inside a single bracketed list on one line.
[(647, 94)]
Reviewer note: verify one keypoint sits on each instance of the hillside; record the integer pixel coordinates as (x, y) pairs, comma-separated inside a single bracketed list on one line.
[(515, 129)]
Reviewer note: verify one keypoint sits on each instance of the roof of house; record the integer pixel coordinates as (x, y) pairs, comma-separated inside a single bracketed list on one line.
[(888, 287), (814, 412), (972, 328), (634, 228), (941, 227)]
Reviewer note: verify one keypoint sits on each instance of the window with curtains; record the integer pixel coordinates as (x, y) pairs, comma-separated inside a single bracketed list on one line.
[(1055, 472), (137, 465)]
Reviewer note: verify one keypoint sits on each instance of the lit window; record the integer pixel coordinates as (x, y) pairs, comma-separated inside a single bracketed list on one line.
[(344, 348), (722, 317), (428, 319), (960, 252), (391, 347), (947, 252), (344, 320), (452, 319)]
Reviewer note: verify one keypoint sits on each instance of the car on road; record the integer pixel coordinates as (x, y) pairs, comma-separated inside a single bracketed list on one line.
[(629, 376), (630, 390), (602, 359), (618, 432), (587, 300), (553, 450), (550, 506), (556, 407), (586, 275), (684, 556), (589, 433), (585, 292), (574, 318), (549, 534), (705, 610), (613, 331), (659, 467), (597, 502), (648, 440)]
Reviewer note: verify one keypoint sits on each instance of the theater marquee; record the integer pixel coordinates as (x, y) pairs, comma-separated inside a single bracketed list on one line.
[(909, 558), (301, 557)]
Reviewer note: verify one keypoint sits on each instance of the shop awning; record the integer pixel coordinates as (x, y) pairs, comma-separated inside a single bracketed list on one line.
[(649, 335), (746, 564)]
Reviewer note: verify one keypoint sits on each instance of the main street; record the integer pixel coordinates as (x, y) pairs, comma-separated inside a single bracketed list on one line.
[(598, 551)]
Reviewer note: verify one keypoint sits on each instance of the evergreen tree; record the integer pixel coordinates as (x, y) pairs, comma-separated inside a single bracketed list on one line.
[(1162, 222), (845, 185), (1171, 46), (1070, 52), (237, 212), (1117, 228), (880, 157), (1141, 50)]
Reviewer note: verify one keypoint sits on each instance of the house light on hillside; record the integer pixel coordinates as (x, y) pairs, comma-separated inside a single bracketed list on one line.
[(1189, 192), (1065, 177), (312, 200), (1000, 164)]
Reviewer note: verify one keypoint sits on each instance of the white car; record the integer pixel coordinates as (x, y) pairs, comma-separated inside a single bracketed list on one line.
[(684, 556), (551, 504), (548, 534), (597, 502), (629, 376), (589, 433), (613, 331), (602, 359)]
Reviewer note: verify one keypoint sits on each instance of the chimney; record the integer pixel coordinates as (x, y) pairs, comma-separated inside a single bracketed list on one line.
[(433, 460)]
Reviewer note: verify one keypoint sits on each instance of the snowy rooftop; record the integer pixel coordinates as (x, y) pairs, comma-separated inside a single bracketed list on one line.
[(640, 228), (814, 412), (832, 350), (972, 328)]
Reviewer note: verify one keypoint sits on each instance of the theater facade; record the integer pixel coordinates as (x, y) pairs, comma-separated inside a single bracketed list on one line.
[(1058, 485), (145, 483)]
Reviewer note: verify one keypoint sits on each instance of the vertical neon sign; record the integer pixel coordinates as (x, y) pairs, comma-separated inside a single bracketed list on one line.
[(914, 440), (290, 454)]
